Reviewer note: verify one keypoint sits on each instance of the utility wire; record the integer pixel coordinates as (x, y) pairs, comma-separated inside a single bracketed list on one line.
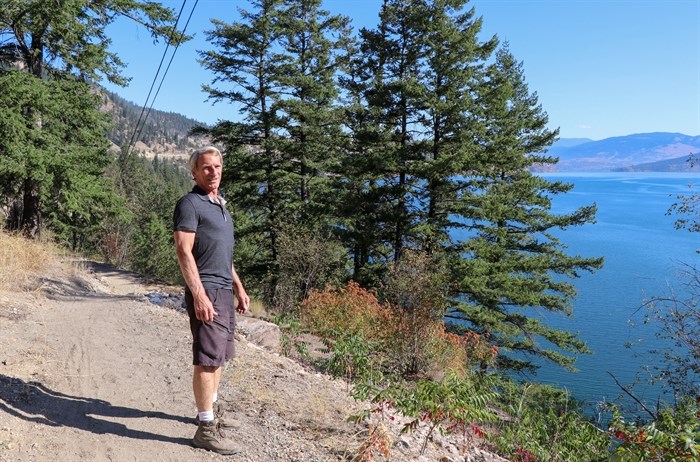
[(167, 68), (155, 77)]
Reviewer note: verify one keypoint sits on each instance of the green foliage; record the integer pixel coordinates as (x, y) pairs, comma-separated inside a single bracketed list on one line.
[(673, 436), (307, 260), (545, 424), (351, 356), (52, 157), (142, 240), (456, 403), (71, 34), (152, 252), (510, 262), (53, 146), (278, 64), (291, 331)]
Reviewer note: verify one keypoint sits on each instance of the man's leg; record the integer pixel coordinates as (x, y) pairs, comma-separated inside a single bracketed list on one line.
[(205, 382), (208, 436)]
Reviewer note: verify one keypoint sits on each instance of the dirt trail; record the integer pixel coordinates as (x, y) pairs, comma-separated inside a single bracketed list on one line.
[(91, 370)]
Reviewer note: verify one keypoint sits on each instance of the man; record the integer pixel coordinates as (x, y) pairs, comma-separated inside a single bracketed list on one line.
[(203, 234)]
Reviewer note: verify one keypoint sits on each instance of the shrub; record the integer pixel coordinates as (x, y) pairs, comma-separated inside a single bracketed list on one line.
[(405, 343), (545, 424), (349, 309), (307, 260), (673, 436), (454, 404)]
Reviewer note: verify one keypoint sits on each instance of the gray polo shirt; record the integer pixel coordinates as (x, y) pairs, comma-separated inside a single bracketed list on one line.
[(213, 240)]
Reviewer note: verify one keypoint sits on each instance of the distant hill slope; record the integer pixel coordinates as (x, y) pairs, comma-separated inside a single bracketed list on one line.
[(627, 152), (163, 133), (570, 142), (678, 164)]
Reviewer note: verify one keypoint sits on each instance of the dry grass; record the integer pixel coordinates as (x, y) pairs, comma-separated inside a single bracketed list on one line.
[(257, 308), (23, 261)]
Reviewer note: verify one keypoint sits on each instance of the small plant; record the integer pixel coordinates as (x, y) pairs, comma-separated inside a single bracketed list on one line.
[(673, 436), (450, 405), (349, 356), (545, 424), (290, 335), (378, 440)]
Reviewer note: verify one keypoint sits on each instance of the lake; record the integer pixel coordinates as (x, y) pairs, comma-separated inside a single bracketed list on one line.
[(643, 252)]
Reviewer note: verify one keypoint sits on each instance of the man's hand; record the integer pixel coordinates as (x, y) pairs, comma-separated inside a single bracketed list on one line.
[(243, 301), (203, 309)]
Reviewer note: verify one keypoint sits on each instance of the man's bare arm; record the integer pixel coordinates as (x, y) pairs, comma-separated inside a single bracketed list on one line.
[(184, 242), (241, 295)]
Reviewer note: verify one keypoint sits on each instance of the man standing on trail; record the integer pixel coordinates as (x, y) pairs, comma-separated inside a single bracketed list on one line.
[(203, 234)]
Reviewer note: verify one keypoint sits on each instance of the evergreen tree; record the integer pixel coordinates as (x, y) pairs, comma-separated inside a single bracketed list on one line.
[(453, 74), (255, 174), (510, 262), (394, 93), (278, 66), (70, 35), (311, 41), (57, 166)]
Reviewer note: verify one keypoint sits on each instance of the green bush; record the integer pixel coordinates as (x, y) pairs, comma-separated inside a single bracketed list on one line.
[(545, 424), (673, 436)]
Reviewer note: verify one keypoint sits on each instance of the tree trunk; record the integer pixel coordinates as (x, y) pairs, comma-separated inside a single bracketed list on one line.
[(31, 213)]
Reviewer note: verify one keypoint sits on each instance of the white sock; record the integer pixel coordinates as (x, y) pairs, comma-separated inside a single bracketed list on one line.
[(206, 416)]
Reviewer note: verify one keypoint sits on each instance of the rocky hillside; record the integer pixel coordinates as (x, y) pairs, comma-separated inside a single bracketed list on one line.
[(163, 133)]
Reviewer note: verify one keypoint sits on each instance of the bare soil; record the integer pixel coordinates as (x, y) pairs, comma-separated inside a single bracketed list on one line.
[(91, 369)]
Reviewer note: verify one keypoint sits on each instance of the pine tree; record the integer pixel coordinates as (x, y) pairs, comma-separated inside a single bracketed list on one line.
[(310, 58), (510, 262), (278, 65), (454, 70), (395, 97), (256, 176), (56, 167), (69, 35)]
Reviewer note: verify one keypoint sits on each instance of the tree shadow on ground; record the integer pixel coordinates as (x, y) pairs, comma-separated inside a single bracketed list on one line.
[(34, 402)]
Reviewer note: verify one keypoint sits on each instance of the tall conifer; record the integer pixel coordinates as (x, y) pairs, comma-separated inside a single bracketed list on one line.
[(510, 263), (256, 178), (312, 43), (64, 41)]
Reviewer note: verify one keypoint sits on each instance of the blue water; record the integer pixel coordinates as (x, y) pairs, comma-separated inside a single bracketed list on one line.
[(642, 251)]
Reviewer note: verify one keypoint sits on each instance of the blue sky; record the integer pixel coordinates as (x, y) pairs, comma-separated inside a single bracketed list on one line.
[(601, 68)]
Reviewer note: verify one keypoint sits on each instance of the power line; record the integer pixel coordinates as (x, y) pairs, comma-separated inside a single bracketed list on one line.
[(155, 77), (167, 68)]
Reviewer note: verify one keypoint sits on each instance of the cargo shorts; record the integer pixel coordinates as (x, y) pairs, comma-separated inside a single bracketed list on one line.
[(212, 343)]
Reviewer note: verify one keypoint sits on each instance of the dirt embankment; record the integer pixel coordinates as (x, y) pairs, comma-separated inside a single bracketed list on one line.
[(91, 369)]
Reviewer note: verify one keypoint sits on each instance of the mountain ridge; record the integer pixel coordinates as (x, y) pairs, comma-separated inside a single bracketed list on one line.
[(166, 134), (656, 151), (150, 132)]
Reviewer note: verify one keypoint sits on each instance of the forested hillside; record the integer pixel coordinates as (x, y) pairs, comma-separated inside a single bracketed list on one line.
[(150, 132)]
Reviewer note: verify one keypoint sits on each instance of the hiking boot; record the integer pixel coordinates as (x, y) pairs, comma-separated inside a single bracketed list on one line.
[(228, 424), (210, 436)]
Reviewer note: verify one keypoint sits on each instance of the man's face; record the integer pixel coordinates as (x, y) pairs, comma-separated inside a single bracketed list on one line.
[(207, 175)]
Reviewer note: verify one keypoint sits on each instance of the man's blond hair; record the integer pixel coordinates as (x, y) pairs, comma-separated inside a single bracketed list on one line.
[(194, 157)]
